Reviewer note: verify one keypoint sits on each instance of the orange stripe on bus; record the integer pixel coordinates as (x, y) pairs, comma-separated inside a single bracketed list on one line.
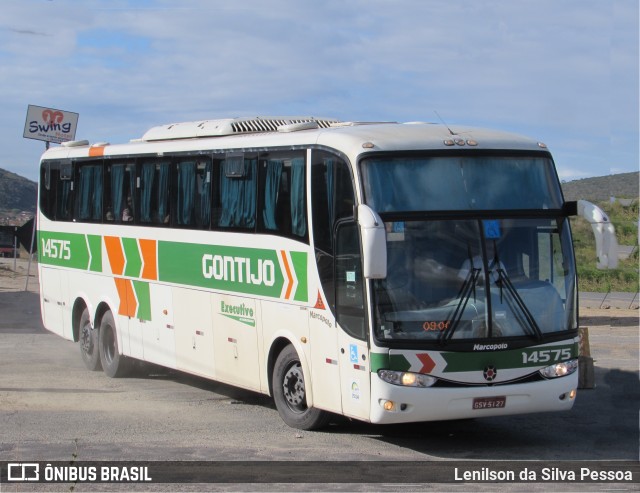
[(149, 259), (96, 151), (128, 304), (115, 254), (289, 276)]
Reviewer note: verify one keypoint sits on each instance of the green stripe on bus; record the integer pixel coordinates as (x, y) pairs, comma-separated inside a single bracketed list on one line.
[(143, 295), (132, 255), (384, 361), (252, 271), (299, 260), (515, 358), (95, 249), (63, 249)]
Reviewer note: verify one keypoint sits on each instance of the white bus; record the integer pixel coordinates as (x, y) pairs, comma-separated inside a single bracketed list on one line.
[(382, 271)]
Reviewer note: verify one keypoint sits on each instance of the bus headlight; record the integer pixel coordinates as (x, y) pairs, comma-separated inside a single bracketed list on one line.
[(406, 378), (560, 369)]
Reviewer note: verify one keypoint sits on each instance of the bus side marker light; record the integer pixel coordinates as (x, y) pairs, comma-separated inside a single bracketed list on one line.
[(568, 395), (389, 405)]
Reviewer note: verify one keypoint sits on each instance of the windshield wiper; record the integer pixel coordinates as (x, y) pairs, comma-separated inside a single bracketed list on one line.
[(503, 280), (468, 287)]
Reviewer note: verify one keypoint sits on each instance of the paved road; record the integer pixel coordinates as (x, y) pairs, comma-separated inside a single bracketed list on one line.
[(624, 301), (51, 408)]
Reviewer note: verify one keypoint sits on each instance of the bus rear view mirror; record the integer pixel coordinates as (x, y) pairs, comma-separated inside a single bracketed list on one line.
[(374, 243), (570, 208)]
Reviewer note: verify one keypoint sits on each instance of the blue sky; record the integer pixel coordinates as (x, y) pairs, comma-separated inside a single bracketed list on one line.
[(564, 72)]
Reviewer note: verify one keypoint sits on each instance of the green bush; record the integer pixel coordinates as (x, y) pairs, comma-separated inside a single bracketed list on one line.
[(625, 277)]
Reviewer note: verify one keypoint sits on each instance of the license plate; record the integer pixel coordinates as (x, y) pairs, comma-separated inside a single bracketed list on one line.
[(489, 402)]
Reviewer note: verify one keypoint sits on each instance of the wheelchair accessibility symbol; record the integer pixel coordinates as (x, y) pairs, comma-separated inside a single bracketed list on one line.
[(353, 353)]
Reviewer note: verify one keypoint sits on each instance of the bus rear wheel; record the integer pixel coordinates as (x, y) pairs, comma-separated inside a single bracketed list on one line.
[(114, 364), (88, 339), (289, 393)]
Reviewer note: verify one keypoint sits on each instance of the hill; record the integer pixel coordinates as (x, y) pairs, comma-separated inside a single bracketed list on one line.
[(17, 198), (601, 188)]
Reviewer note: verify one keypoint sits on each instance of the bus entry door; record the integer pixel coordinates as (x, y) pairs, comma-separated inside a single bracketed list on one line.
[(350, 316)]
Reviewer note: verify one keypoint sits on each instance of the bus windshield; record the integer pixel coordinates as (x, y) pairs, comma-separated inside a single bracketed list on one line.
[(475, 279), (476, 276), (463, 182)]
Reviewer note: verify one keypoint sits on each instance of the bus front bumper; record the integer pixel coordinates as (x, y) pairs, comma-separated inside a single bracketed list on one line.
[(397, 404)]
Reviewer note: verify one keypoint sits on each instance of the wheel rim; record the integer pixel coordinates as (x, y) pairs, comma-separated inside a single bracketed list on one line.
[(293, 388), (86, 342)]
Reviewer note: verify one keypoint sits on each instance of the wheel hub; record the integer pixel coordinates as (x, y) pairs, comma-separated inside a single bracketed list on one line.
[(293, 386), (85, 339)]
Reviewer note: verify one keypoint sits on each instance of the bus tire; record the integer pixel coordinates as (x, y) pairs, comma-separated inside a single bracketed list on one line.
[(88, 339), (114, 364), (289, 393)]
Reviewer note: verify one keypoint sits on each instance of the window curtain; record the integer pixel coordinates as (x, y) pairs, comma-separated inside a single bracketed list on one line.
[(131, 202), (238, 197), (186, 191), (117, 190), (63, 199), (146, 191), (97, 194), (298, 209), (272, 185), (204, 211), (163, 192), (85, 185)]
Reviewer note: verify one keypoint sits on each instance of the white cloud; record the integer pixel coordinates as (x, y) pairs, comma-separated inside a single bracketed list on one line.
[(563, 71)]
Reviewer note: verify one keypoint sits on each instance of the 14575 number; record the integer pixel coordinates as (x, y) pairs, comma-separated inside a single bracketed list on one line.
[(58, 249), (546, 356)]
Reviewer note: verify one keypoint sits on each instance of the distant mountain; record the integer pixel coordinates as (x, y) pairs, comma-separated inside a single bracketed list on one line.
[(17, 193), (601, 188)]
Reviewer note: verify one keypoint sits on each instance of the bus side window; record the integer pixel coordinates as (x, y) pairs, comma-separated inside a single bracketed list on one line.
[(185, 193), (349, 280), (120, 187), (283, 207), (332, 199), (216, 197), (344, 195), (88, 206), (237, 194), (56, 187), (204, 178), (154, 192)]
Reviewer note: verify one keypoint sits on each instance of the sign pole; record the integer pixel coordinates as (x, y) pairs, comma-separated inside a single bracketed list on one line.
[(15, 250), (33, 237)]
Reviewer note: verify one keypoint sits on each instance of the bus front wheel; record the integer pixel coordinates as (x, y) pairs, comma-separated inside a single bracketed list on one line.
[(88, 338), (114, 364), (289, 393)]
